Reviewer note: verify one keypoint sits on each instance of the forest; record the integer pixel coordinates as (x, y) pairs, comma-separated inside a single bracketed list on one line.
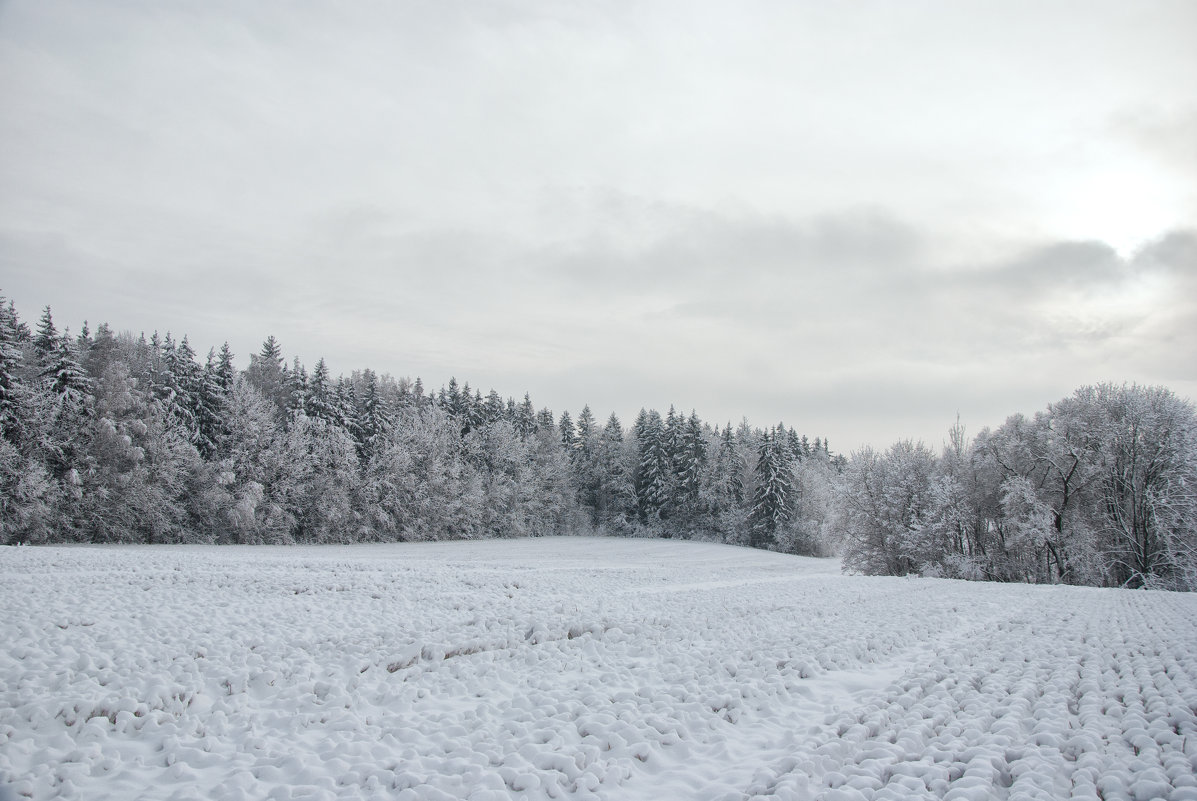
[(110, 438)]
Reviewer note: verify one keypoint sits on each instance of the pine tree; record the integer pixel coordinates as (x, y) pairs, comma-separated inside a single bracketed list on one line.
[(474, 411), (616, 498), (731, 467), (348, 409), (671, 440), (11, 390), (584, 430), (451, 399), (64, 377), (794, 447), (296, 382), (210, 399), (319, 402), (104, 351), (584, 470), (191, 378), (173, 383), (568, 433), (525, 418), (653, 469), (692, 462), (493, 409), (772, 504), (267, 373), (226, 373), (45, 344), (376, 420)]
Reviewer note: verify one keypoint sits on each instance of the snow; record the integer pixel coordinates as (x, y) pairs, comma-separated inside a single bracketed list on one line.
[(577, 668)]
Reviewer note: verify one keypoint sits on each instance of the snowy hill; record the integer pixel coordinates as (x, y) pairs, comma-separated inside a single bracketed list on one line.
[(577, 668)]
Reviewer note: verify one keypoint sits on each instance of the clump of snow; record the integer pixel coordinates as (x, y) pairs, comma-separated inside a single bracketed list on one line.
[(577, 668)]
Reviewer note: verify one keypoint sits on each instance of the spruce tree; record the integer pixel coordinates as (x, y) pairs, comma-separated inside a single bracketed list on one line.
[(772, 504), (45, 344), (210, 400), (567, 432), (451, 399), (296, 383), (653, 468), (11, 390), (376, 420), (493, 408), (585, 429), (692, 462), (319, 402), (525, 418), (474, 416), (226, 373), (267, 373), (348, 409), (64, 377), (615, 495)]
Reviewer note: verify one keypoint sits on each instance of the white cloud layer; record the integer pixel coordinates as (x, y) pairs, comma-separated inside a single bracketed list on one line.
[(857, 219)]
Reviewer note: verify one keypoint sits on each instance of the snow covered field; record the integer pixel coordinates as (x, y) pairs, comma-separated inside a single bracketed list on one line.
[(577, 668)]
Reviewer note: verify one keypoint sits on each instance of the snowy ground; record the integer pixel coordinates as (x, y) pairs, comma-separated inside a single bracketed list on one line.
[(577, 668)]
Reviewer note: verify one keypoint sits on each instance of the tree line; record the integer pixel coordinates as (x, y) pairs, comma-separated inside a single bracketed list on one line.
[(107, 437), (1099, 489)]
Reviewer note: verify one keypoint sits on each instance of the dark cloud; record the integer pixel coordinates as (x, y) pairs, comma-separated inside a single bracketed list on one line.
[(706, 248), (1068, 267), (1174, 253)]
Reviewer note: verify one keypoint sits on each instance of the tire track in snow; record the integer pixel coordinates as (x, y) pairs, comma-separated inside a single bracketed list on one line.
[(748, 751)]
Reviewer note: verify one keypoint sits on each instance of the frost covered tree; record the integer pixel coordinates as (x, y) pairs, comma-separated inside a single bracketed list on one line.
[(208, 399), (568, 433), (376, 417), (12, 391), (652, 478), (726, 490), (614, 497), (585, 469), (525, 418), (1148, 485), (267, 374), (263, 467), (884, 507), (64, 377), (326, 497), (773, 501), (691, 462), (1056, 451), (319, 400), (45, 342), (26, 488)]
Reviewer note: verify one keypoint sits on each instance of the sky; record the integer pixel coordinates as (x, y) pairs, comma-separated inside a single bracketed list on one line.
[(862, 219)]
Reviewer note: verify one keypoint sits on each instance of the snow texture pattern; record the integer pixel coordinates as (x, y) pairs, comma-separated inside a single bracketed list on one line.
[(581, 669)]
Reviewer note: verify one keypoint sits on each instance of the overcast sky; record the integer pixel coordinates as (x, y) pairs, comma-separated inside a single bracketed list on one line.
[(859, 218)]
